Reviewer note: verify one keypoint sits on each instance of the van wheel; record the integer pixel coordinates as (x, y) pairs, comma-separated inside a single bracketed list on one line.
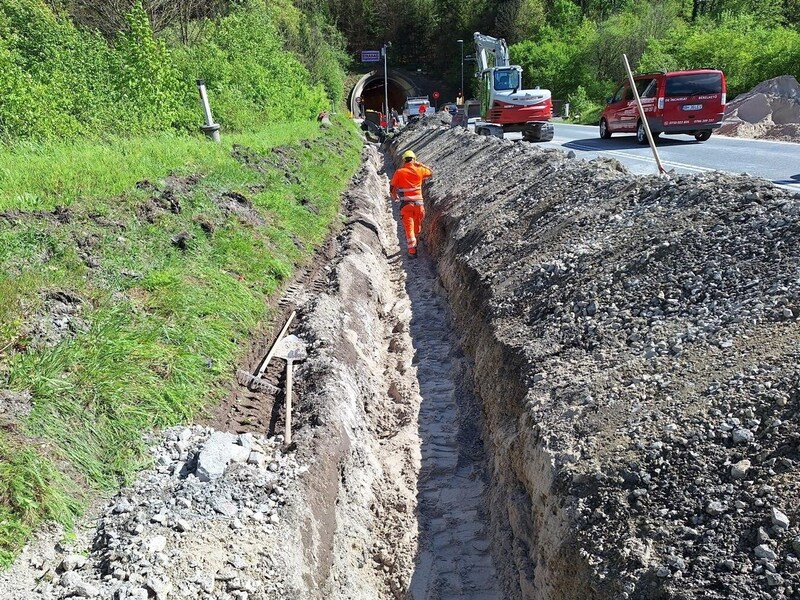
[(702, 136), (605, 132), (641, 135)]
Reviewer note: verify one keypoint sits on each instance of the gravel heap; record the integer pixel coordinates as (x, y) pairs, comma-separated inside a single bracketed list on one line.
[(771, 110), (191, 527), (651, 328)]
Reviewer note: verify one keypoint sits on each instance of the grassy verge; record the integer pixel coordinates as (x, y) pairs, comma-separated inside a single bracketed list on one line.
[(129, 272), (590, 116)]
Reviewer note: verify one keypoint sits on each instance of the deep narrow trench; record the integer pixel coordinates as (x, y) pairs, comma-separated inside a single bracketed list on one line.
[(454, 560)]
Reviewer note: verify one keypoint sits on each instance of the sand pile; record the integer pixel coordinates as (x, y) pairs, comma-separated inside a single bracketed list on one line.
[(771, 110)]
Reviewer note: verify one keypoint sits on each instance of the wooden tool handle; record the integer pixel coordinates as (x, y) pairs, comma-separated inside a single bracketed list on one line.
[(288, 436), (274, 347)]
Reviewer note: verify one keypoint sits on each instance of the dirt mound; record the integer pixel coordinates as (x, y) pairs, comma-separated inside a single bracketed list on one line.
[(771, 110), (635, 346)]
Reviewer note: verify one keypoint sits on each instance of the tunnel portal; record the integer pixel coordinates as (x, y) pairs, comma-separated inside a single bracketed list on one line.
[(371, 88)]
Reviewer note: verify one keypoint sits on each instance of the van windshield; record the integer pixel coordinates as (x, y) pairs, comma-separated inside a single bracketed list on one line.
[(694, 85)]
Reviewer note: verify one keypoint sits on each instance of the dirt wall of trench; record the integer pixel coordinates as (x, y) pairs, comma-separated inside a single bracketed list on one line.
[(634, 342), (357, 415)]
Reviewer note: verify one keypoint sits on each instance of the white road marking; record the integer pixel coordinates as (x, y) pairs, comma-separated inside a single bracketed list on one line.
[(620, 153)]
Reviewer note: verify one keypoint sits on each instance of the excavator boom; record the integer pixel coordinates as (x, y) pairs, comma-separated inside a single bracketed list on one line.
[(486, 45)]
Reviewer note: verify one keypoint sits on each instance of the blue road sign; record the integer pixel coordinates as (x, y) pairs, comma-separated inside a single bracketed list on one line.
[(370, 56)]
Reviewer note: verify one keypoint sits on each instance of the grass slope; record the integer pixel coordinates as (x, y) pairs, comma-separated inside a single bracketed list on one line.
[(130, 271)]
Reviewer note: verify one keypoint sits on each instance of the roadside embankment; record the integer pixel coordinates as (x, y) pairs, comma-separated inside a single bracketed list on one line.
[(130, 272), (635, 347)]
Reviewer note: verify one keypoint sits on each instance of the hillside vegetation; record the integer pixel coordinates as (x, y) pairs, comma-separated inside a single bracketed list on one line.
[(59, 79), (136, 256)]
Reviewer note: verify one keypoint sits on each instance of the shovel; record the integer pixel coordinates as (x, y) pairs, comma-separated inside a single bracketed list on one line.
[(290, 348), (257, 382)]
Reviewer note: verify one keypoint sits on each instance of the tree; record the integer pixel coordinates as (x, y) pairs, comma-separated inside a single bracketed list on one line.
[(109, 16)]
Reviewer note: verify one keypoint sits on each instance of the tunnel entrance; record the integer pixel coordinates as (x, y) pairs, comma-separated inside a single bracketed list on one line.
[(373, 96), (371, 88)]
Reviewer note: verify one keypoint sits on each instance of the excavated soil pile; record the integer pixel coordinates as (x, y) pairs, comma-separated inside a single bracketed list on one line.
[(771, 111), (635, 345)]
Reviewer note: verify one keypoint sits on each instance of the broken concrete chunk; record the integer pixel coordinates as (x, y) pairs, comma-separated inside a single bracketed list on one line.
[(72, 562), (215, 456)]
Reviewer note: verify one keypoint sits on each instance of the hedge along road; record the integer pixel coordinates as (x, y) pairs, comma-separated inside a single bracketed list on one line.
[(777, 161)]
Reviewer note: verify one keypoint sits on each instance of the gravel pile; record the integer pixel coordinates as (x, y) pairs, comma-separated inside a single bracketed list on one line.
[(648, 338), (189, 527), (771, 110)]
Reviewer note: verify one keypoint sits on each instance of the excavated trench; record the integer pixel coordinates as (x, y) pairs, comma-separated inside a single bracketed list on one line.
[(584, 388)]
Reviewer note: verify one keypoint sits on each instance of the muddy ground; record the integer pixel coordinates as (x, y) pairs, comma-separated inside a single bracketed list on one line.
[(586, 386)]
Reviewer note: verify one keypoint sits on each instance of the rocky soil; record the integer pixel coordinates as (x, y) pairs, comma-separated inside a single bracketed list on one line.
[(636, 349), (770, 111)]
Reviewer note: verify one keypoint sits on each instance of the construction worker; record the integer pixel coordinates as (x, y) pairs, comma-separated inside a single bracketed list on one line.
[(406, 188), (422, 109)]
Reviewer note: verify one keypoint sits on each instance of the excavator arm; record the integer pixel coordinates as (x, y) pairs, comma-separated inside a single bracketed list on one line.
[(484, 45)]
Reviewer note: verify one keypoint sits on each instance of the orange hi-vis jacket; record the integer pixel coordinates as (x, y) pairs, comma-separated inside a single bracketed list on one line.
[(407, 182)]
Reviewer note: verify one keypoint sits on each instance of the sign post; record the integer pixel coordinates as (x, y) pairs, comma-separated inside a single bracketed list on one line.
[(435, 95), (385, 51)]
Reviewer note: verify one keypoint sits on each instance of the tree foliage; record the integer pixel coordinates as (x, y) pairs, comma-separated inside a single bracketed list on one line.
[(564, 44), (262, 61)]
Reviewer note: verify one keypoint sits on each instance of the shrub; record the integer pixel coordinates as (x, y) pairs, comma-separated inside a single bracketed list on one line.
[(740, 45)]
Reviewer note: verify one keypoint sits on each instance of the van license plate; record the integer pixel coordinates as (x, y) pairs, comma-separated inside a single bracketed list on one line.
[(688, 107)]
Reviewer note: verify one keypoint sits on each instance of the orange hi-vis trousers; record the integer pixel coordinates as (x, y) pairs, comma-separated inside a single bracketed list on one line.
[(412, 215)]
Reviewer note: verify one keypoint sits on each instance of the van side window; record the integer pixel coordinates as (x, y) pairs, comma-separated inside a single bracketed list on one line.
[(628, 93), (647, 88), (619, 94)]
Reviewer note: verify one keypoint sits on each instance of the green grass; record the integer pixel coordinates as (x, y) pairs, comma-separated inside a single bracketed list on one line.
[(159, 328), (590, 116)]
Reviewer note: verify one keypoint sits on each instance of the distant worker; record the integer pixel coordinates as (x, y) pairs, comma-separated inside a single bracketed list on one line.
[(406, 188), (459, 99), (395, 118), (382, 121), (422, 108)]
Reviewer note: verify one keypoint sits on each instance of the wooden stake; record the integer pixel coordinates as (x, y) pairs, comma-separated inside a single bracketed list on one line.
[(642, 116)]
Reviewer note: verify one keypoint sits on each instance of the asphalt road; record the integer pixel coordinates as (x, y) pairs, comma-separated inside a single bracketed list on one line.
[(778, 162)]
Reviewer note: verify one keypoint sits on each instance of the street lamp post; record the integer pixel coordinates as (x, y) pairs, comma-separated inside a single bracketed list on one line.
[(463, 93), (386, 46)]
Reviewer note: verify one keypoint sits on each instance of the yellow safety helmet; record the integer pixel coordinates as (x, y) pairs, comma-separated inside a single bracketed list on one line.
[(409, 155)]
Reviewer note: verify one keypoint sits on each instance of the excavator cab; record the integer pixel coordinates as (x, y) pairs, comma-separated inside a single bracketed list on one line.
[(506, 79)]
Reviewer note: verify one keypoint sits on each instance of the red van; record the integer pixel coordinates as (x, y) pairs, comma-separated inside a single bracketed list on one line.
[(690, 102)]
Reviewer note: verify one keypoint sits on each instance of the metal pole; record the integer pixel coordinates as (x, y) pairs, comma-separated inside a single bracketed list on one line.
[(463, 93), (643, 117), (211, 129), (386, 83)]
